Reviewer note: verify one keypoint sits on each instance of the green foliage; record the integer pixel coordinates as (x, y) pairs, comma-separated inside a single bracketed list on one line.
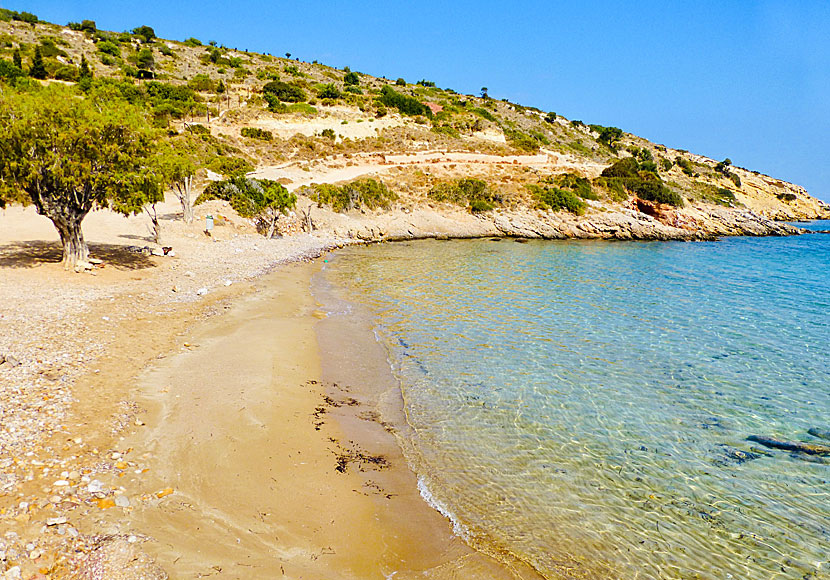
[(166, 50), (719, 195), (472, 193), (629, 176), (328, 91), (446, 130), (577, 184), (17, 60), (108, 47), (230, 167), (484, 113), (555, 199), (202, 83), (425, 83), (144, 59), (365, 192), (404, 103), (351, 78), (354, 90), (250, 197), (66, 155), (302, 109), (550, 117), (49, 48), (528, 143), (787, 197), (256, 133), (608, 136), (328, 134), (666, 164), (293, 71), (26, 17), (192, 42), (37, 70), (285, 92), (400, 82), (9, 71), (145, 33), (686, 165), (197, 129), (735, 179)]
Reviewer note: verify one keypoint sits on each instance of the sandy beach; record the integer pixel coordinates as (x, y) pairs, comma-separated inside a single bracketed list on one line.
[(187, 416)]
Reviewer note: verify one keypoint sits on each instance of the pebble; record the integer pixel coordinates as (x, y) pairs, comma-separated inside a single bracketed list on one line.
[(95, 486), (201, 291), (56, 521), (12, 573), (122, 501)]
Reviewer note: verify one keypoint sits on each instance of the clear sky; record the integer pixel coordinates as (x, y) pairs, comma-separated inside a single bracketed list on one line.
[(743, 79)]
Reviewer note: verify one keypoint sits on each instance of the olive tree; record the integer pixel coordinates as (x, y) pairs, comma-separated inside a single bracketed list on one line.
[(178, 162), (68, 155)]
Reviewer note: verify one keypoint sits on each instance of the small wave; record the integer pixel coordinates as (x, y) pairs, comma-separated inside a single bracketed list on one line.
[(458, 528)]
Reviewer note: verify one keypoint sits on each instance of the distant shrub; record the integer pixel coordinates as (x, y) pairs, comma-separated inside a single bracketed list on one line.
[(627, 175), (400, 82), (446, 130), (230, 166), (87, 26), (649, 166), (367, 192), (484, 113), (26, 17), (351, 78), (577, 123), (788, 197), (9, 71), (626, 167), (166, 50), (202, 83), (686, 165), (328, 134), (608, 136), (529, 143), (425, 83), (653, 190), (474, 194), (577, 184), (198, 129), (553, 198), (256, 133), (293, 71), (328, 91), (404, 103), (192, 42), (288, 93), (302, 108), (550, 117), (666, 164), (145, 33), (263, 200), (354, 90), (108, 47), (735, 179)]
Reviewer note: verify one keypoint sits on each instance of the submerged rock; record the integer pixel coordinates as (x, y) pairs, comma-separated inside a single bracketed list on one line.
[(820, 433), (808, 448), (731, 454)]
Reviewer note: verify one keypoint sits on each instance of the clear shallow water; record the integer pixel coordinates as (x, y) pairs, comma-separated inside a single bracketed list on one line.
[(585, 405)]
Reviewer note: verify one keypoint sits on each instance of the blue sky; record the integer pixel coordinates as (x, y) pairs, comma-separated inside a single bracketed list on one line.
[(746, 79)]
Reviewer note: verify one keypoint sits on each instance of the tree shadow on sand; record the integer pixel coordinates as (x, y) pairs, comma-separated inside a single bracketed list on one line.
[(31, 254)]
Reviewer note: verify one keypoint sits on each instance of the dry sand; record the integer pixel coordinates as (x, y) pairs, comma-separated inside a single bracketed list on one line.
[(175, 406)]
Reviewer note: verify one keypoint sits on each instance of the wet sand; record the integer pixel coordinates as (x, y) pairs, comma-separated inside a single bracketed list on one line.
[(274, 471)]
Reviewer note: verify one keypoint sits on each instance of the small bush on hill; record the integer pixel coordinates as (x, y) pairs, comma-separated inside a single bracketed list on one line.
[(484, 113), (328, 134), (285, 92), (666, 164), (404, 103), (202, 83), (328, 91), (400, 82), (626, 175), (192, 42), (108, 47), (366, 192), (9, 71), (788, 197), (550, 117), (553, 198), (608, 136), (230, 167), (256, 133), (261, 199), (468, 192), (351, 78), (577, 184), (686, 165)]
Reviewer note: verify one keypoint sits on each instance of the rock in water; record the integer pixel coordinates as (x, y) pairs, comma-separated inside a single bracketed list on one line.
[(820, 433), (809, 448)]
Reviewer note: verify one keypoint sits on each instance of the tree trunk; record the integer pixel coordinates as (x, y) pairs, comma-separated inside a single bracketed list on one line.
[(183, 192), (72, 238)]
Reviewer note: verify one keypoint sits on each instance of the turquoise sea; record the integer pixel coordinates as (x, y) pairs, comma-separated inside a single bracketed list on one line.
[(585, 405)]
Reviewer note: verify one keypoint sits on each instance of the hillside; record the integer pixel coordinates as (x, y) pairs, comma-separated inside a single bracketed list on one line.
[(456, 165)]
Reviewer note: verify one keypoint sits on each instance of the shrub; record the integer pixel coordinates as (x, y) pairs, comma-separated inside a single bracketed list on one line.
[(577, 184), (256, 133), (553, 198), (193, 42), (198, 129), (354, 90), (108, 47), (608, 136), (231, 167), (26, 17), (626, 167), (351, 78), (285, 92), (202, 83), (484, 113), (261, 199), (328, 91), (166, 50), (626, 175), (404, 103), (468, 192), (653, 190), (9, 71), (735, 179), (400, 82), (328, 134), (366, 192), (446, 130), (550, 117), (666, 164), (786, 197), (293, 70), (145, 33), (686, 165), (425, 83), (302, 108)]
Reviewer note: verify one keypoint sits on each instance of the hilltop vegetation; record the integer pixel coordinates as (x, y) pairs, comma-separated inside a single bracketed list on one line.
[(207, 106)]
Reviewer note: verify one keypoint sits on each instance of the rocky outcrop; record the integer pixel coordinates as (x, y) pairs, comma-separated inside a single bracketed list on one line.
[(637, 220)]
